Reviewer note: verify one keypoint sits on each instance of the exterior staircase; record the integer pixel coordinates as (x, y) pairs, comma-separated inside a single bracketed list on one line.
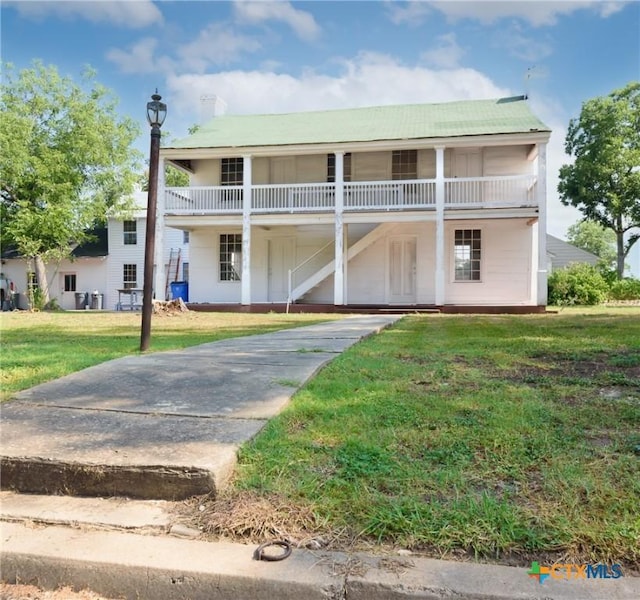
[(321, 274)]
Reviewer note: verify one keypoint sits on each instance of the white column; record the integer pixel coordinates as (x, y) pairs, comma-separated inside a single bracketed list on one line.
[(440, 270), (345, 263), (245, 281), (159, 274), (338, 276), (541, 195)]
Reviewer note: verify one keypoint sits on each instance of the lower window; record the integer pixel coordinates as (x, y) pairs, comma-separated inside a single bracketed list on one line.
[(230, 256), (467, 254), (129, 276)]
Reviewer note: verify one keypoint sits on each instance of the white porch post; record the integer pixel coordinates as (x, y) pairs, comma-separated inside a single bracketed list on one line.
[(338, 288), (245, 280), (439, 274), (541, 195), (159, 276)]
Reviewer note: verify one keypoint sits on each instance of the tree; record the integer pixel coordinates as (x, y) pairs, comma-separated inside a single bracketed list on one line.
[(594, 238), (604, 180), (66, 162)]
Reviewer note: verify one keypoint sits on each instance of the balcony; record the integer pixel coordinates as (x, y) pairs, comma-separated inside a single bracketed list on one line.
[(470, 192)]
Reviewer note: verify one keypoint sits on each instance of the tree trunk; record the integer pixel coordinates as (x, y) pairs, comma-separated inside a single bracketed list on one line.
[(41, 276), (620, 248)]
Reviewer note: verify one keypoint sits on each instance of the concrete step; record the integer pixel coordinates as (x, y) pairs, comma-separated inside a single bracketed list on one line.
[(140, 516)]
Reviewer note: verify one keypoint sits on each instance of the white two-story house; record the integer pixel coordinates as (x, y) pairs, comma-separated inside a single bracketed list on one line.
[(428, 205)]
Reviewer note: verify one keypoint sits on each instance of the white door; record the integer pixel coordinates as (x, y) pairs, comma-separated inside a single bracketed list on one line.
[(283, 169), (467, 163), (281, 259), (402, 270), (68, 287)]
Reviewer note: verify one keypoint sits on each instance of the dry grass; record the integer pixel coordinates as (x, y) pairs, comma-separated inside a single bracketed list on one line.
[(31, 592)]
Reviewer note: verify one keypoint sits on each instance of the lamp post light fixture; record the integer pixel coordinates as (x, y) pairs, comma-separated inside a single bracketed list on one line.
[(156, 113)]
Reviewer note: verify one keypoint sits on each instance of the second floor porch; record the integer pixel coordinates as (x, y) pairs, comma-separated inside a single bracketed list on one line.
[(507, 191)]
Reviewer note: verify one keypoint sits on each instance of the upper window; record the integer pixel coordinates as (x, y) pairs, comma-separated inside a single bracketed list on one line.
[(404, 164), (231, 171), (331, 167), (230, 256), (130, 232), (467, 254), (185, 237)]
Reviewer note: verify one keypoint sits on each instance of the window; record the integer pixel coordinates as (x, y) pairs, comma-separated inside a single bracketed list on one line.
[(467, 252), (404, 164), (230, 256), (331, 167), (185, 237), (185, 271), (32, 281), (231, 170), (130, 233), (70, 282), (129, 276)]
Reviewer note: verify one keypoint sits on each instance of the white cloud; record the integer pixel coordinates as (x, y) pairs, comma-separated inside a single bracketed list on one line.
[(446, 54), (536, 12), (303, 23), (217, 44), (140, 58), (412, 13), (368, 80), (125, 13)]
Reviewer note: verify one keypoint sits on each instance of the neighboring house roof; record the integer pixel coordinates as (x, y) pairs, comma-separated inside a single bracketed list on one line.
[(563, 253), (95, 248), (99, 246), (412, 121)]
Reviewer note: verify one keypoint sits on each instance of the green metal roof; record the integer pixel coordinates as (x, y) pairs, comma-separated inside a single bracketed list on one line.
[(411, 121)]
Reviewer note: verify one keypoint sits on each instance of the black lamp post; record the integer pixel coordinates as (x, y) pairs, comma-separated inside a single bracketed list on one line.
[(156, 113)]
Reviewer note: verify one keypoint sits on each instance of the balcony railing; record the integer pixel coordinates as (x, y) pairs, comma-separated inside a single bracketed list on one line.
[(467, 192)]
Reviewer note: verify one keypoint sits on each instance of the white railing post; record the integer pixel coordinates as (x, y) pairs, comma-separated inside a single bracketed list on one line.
[(338, 288), (245, 280), (439, 274)]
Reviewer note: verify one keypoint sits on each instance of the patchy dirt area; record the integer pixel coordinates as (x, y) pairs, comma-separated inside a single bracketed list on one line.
[(31, 592)]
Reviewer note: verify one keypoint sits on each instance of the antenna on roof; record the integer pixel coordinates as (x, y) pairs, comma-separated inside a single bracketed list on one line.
[(528, 75)]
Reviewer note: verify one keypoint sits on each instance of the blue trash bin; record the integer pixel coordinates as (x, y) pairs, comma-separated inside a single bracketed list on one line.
[(180, 289)]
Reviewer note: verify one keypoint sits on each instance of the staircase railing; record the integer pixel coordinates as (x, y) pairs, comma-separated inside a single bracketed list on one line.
[(298, 267)]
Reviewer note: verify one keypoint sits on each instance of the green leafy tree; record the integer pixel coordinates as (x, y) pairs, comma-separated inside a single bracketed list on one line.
[(66, 162), (173, 177), (594, 238), (604, 180)]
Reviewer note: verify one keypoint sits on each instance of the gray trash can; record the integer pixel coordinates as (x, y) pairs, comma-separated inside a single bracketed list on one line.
[(96, 301), (180, 289), (82, 299)]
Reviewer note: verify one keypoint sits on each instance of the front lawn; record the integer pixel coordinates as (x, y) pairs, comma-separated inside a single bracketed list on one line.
[(40, 346), (502, 437)]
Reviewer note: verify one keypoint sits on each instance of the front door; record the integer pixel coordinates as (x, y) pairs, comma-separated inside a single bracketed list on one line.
[(402, 270), (281, 259)]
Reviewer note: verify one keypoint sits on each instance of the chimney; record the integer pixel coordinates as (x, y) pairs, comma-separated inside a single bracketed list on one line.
[(211, 106)]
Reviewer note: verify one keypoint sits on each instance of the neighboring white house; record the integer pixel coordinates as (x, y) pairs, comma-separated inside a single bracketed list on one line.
[(562, 254), (420, 205), (105, 267)]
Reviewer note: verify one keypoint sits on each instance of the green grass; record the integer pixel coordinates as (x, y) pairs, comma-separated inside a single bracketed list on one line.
[(38, 347), (509, 437)]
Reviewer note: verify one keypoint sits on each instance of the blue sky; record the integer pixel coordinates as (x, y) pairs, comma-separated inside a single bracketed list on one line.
[(283, 56)]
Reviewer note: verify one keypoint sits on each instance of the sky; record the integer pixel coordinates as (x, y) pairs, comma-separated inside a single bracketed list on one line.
[(266, 57)]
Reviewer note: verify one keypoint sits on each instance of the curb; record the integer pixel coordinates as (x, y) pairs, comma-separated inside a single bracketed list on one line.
[(146, 567)]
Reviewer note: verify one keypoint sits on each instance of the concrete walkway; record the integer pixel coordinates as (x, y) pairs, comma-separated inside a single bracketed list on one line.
[(166, 425)]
